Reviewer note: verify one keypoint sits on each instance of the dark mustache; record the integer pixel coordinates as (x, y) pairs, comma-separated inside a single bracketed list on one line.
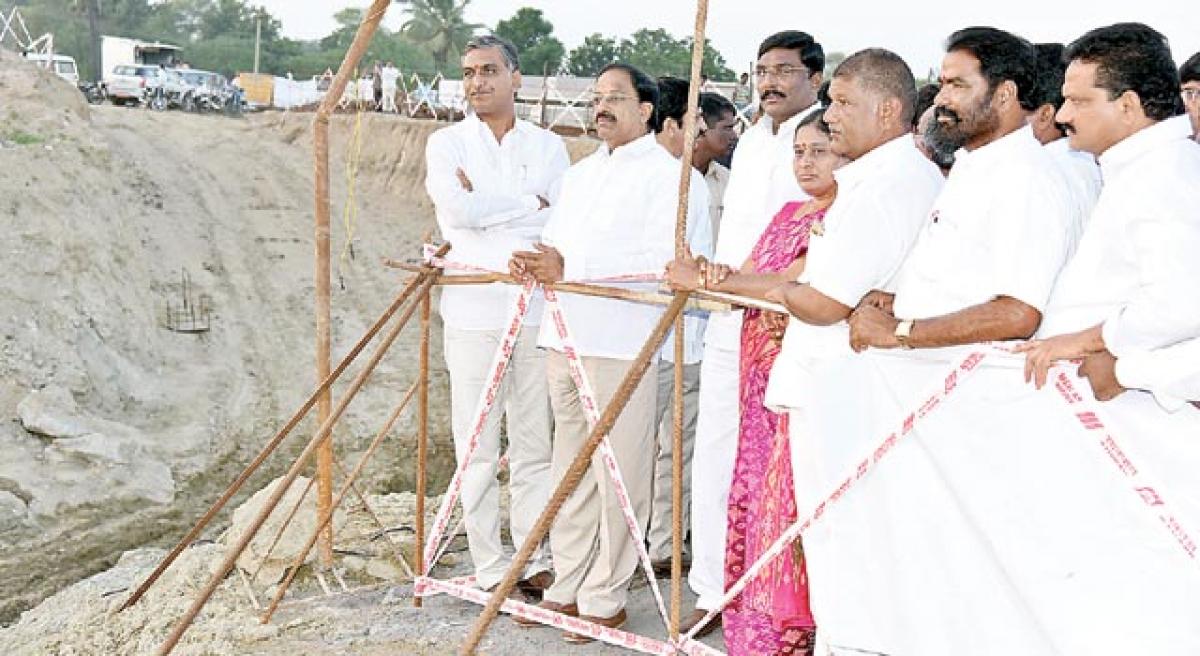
[(607, 115), (772, 92), (946, 112)]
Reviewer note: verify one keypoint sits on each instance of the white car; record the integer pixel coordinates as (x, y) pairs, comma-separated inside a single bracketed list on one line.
[(62, 65), (133, 83)]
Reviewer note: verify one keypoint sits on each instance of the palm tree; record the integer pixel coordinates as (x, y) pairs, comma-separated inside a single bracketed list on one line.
[(441, 26)]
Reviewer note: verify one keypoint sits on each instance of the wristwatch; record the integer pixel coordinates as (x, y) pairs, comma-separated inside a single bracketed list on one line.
[(904, 332)]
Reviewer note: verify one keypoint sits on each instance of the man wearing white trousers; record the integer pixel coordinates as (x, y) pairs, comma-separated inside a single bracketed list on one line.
[(490, 178), (788, 74)]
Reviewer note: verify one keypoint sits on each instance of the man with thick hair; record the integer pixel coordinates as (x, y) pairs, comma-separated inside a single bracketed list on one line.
[(615, 216), (716, 141), (668, 126), (1189, 81), (1079, 168), (883, 199), (491, 176), (788, 73)]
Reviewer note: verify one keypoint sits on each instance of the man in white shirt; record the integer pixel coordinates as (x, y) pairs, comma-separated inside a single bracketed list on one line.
[(788, 74), (615, 216), (883, 197), (1130, 288), (668, 129), (1002, 227), (1080, 168), (390, 75), (490, 178)]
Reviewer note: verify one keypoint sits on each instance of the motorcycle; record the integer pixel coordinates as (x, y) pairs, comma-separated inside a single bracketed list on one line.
[(94, 92)]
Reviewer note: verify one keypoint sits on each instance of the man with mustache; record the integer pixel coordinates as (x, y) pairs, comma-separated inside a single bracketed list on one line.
[(715, 142), (1080, 168), (615, 216), (788, 72), (883, 197), (1003, 225), (491, 178)]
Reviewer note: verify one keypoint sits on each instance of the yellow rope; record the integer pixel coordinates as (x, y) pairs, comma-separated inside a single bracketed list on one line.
[(350, 210)]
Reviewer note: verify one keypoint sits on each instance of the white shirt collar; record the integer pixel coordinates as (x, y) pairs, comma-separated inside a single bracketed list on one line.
[(788, 127), (998, 149), (1139, 143), (880, 156), (634, 148)]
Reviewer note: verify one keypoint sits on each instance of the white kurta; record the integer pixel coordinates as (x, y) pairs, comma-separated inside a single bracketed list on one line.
[(615, 216), (1082, 173), (498, 216)]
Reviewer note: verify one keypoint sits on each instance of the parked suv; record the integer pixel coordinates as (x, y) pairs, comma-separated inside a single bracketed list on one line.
[(133, 83)]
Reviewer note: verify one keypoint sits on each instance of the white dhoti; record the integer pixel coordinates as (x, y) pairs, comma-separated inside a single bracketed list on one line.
[(712, 471), (1000, 524)]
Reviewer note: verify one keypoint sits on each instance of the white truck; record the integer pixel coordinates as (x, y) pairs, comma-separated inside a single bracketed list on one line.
[(120, 51)]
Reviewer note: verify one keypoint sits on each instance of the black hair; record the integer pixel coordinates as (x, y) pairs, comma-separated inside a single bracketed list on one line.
[(815, 118), (672, 101), (714, 106), (1051, 68), (823, 98), (1002, 56), (812, 55), (885, 72), (644, 85), (1190, 71), (925, 96), (1132, 57)]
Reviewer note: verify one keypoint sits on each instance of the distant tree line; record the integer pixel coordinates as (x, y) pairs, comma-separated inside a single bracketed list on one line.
[(219, 35)]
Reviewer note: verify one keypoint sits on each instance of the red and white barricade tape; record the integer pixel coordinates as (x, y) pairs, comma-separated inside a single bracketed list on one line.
[(1140, 483), (870, 460), (487, 399), (464, 588), (591, 408)]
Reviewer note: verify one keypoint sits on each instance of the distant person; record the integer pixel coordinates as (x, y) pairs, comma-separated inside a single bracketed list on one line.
[(377, 85), (925, 95), (1189, 82), (390, 74), (743, 93), (491, 177), (933, 144)]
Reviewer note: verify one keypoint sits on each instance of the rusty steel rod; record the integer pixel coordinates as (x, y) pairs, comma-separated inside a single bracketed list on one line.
[(686, 171), (321, 273), (422, 441), (574, 473), (347, 485)]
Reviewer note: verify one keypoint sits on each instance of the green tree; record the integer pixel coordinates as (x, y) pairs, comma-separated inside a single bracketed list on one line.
[(659, 53), (533, 36), (596, 52), (441, 26)]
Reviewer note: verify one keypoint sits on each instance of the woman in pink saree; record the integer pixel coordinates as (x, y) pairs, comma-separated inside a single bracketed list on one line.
[(771, 616)]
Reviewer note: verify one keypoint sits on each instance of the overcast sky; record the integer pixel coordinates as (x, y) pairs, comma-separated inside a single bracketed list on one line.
[(915, 30)]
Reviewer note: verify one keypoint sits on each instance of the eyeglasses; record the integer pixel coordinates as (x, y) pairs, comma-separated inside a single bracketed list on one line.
[(1190, 95), (780, 72), (598, 99)]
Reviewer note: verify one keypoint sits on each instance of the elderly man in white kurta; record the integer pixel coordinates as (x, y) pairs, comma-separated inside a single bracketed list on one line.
[(788, 73), (491, 177), (615, 217)]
